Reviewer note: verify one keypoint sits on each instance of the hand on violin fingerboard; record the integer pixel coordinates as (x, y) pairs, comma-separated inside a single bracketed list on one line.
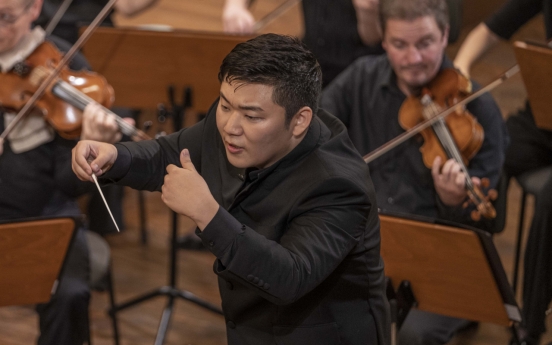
[(99, 126), (450, 182)]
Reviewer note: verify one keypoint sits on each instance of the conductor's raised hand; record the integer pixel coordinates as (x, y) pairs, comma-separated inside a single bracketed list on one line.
[(187, 193), (92, 157)]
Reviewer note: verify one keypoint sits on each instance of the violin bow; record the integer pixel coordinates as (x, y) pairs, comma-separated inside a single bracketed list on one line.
[(57, 16), (271, 16), (423, 125), (55, 73)]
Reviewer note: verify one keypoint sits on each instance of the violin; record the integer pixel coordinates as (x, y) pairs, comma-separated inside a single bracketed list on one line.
[(459, 136), (65, 97), (391, 144)]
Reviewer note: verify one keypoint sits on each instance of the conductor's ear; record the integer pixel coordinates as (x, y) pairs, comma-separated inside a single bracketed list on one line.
[(301, 121)]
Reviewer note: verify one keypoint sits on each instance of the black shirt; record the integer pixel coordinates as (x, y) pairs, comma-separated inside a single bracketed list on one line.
[(514, 13), (367, 99), (297, 244), (331, 33), (79, 13)]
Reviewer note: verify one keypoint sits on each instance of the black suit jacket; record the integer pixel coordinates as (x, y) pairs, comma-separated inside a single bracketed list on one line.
[(297, 243)]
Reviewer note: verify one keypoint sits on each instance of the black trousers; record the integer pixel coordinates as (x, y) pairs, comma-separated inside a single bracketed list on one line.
[(423, 328), (531, 148)]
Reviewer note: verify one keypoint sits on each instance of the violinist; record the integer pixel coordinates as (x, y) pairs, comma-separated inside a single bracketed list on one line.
[(368, 97), (36, 177), (530, 149)]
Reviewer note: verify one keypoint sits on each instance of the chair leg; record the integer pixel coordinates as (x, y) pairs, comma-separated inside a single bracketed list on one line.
[(112, 312), (519, 240)]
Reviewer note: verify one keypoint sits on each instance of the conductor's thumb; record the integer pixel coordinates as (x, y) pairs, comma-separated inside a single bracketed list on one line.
[(186, 161)]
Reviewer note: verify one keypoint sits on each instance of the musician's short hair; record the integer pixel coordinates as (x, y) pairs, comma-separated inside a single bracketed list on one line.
[(282, 62), (414, 9)]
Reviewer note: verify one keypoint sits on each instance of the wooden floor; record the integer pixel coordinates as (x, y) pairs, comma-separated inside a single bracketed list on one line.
[(140, 268)]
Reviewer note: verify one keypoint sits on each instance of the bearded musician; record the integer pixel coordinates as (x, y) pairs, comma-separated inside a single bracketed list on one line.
[(367, 97), (36, 177)]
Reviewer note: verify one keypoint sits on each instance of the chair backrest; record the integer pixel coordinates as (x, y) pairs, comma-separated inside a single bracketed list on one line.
[(32, 253)]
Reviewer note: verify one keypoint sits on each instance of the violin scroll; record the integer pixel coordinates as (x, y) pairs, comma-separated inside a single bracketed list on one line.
[(484, 207)]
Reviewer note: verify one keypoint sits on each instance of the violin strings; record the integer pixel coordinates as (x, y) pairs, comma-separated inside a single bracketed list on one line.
[(449, 145), (84, 100)]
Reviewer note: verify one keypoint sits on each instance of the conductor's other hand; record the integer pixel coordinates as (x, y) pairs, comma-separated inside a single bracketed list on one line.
[(92, 157), (186, 192), (237, 20)]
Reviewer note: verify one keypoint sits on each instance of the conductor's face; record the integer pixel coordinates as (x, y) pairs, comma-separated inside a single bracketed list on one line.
[(252, 126)]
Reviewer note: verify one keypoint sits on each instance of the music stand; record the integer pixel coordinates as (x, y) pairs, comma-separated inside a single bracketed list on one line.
[(451, 270), (32, 254), (535, 65), (142, 66)]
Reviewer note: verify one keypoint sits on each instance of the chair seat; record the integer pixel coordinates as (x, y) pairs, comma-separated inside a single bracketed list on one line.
[(533, 181)]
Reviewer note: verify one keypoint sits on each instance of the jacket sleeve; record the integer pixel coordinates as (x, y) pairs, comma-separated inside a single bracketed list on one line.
[(142, 165), (324, 226)]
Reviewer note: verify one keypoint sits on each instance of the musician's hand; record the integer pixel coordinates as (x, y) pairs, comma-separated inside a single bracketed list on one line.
[(92, 157), (450, 182), (367, 13), (236, 19), (99, 126), (366, 5), (187, 193)]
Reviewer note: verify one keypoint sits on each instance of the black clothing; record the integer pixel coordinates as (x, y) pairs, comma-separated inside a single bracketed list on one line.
[(331, 33), (40, 182), (531, 148), (297, 243), (79, 13), (367, 99), (515, 13)]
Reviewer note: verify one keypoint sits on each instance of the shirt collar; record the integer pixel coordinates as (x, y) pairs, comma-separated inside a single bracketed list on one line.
[(23, 49)]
